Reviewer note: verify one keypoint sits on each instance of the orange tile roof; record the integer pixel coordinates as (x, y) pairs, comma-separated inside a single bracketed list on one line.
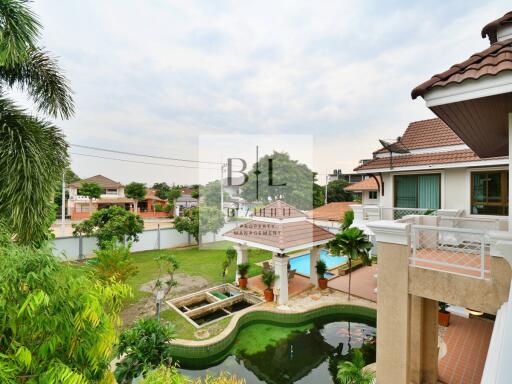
[(332, 211), (279, 235), (102, 181), (278, 210), (489, 62), (491, 29), (151, 194), (464, 155), (368, 184)]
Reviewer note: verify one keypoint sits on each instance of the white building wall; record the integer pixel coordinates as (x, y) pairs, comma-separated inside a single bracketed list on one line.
[(366, 199), (456, 189)]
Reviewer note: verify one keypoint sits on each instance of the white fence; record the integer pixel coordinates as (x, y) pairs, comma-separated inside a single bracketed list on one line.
[(75, 248)]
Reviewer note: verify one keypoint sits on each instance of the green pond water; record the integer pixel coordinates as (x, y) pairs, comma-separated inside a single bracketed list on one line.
[(277, 354)]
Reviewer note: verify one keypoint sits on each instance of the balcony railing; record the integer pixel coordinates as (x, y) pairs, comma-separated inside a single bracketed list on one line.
[(462, 251)]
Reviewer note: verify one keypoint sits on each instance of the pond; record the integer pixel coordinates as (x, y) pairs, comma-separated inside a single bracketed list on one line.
[(277, 354)]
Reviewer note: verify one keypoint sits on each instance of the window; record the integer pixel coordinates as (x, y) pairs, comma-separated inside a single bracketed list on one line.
[(418, 191), (489, 193), (110, 191), (372, 195)]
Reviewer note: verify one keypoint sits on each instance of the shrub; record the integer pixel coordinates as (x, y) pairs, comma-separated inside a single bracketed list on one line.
[(268, 278), (354, 372), (114, 262), (243, 269), (321, 268), (158, 208)]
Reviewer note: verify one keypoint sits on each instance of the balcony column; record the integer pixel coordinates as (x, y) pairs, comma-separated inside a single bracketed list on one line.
[(242, 257), (280, 262), (315, 256), (509, 170)]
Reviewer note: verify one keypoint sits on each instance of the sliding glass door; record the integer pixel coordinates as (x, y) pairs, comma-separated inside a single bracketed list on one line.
[(418, 191)]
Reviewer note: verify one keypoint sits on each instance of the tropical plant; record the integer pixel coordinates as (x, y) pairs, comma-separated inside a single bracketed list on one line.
[(143, 347), (354, 244), (443, 307), (168, 264), (348, 219), (243, 270), (90, 190), (33, 151), (268, 277), (230, 257), (137, 192), (336, 191), (165, 375), (321, 268), (198, 221), (57, 324), (354, 372), (112, 223), (114, 262)]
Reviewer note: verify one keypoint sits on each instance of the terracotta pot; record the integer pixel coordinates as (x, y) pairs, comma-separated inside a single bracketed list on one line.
[(444, 319), (322, 283), (242, 283), (269, 295)]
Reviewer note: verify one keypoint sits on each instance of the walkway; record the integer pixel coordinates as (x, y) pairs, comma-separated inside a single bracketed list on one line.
[(363, 283), (467, 342), (296, 285)]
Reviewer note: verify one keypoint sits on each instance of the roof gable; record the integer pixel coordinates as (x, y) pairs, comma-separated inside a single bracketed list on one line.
[(102, 181)]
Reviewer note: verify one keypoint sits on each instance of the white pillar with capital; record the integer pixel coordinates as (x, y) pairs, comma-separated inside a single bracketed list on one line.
[(242, 257), (281, 285), (315, 256)]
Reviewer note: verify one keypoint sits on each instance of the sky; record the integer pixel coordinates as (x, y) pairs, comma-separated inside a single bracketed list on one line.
[(154, 77)]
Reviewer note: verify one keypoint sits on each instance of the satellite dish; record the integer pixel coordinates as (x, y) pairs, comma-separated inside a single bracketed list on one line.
[(393, 147)]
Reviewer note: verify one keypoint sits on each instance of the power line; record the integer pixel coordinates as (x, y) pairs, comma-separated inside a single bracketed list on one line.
[(142, 155), (140, 162)]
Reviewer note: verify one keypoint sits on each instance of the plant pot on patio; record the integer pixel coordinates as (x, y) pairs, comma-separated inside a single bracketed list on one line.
[(242, 283), (321, 268), (269, 295), (268, 279), (443, 315), (242, 271)]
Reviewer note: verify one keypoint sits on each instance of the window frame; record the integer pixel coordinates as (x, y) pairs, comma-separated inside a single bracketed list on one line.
[(417, 176), (503, 203)]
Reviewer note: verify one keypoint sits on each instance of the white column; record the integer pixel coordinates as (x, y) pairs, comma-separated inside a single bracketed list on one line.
[(242, 257), (509, 171), (281, 284), (315, 256)]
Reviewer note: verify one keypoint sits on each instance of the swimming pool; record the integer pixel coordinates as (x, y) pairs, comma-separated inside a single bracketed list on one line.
[(301, 263)]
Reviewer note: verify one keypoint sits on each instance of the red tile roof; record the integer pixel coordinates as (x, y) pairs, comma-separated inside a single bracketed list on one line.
[(464, 155), (491, 29), (102, 181), (332, 211), (368, 184), (490, 62)]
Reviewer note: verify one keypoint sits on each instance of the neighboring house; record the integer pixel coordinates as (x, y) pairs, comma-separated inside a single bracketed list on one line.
[(337, 174), (329, 216), (113, 194), (366, 190), (183, 202), (437, 170)]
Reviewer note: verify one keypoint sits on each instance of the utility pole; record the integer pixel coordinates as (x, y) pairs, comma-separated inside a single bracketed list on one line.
[(222, 187), (63, 205), (326, 182)]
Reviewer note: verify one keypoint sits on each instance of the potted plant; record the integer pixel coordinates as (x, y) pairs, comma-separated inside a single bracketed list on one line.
[(268, 279), (444, 315), (242, 271), (321, 268)]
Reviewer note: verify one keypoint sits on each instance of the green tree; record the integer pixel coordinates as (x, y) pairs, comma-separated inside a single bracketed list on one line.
[(348, 219), (226, 264), (92, 191), (336, 191), (198, 221), (353, 244), (33, 151), (210, 194), (173, 195), (161, 190), (318, 195), (354, 372), (114, 262), (297, 177), (135, 191), (57, 325), (112, 223), (145, 346)]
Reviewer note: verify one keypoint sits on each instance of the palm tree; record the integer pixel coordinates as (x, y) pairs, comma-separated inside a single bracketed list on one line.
[(33, 152), (354, 372), (354, 244)]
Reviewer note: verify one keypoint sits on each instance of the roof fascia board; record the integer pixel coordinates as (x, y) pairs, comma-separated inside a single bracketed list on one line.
[(422, 151)]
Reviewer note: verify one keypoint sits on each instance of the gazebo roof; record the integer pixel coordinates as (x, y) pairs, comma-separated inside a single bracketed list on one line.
[(287, 231)]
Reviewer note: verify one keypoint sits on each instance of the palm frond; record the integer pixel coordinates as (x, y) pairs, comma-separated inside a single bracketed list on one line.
[(33, 155)]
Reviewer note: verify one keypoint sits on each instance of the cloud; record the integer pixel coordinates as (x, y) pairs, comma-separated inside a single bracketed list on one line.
[(153, 76)]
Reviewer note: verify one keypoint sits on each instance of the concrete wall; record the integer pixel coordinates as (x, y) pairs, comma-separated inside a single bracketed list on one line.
[(366, 199)]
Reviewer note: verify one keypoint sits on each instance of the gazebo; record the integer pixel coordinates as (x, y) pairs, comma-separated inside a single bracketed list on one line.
[(281, 229)]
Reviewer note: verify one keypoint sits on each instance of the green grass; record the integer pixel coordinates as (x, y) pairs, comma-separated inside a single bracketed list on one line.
[(185, 330)]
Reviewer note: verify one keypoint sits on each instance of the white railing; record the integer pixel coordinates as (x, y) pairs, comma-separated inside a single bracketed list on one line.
[(461, 251), (393, 213)]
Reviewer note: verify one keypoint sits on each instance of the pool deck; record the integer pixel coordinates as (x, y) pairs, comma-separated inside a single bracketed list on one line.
[(363, 283), (296, 285)]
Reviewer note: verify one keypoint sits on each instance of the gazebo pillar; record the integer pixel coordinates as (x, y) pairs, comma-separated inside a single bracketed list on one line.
[(315, 256), (242, 257), (280, 262)]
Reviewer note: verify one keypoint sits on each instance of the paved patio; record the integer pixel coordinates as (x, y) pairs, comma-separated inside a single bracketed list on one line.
[(296, 285), (467, 342), (363, 283)]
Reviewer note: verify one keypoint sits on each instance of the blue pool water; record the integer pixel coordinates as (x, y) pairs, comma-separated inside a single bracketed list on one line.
[(301, 263)]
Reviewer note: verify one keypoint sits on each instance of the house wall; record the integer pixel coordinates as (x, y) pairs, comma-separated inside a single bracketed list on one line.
[(366, 199)]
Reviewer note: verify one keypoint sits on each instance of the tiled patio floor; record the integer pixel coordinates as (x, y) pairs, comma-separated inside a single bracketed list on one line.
[(363, 283), (296, 285), (467, 342)]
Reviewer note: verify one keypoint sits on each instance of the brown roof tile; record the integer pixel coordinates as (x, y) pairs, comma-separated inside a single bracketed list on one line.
[(491, 29), (102, 181), (280, 235), (332, 211), (459, 156), (368, 184), (491, 61)]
